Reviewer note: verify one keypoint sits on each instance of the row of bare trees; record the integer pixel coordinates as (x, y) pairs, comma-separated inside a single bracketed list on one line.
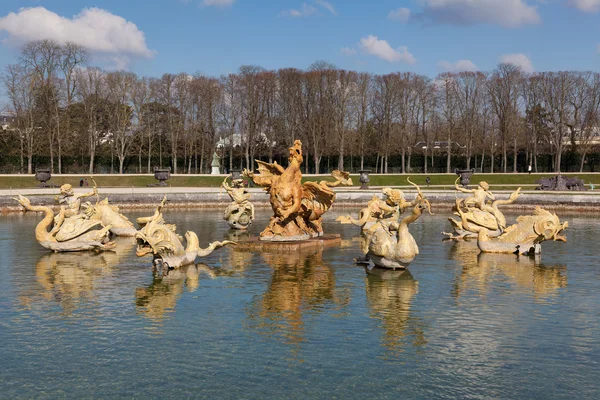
[(116, 120)]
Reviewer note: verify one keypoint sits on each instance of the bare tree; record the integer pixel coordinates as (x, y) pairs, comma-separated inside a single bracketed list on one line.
[(20, 85), (504, 89), (556, 89), (72, 56), (91, 89), (447, 101)]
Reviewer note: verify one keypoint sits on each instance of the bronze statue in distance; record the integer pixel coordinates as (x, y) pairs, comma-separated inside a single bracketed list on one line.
[(240, 213), (78, 234), (477, 213), (297, 207), (159, 239)]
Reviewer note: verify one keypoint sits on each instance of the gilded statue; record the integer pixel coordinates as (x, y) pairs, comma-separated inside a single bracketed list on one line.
[(297, 207), (390, 207), (524, 237), (161, 240), (389, 243), (78, 234), (240, 213), (476, 212), (73, 209)]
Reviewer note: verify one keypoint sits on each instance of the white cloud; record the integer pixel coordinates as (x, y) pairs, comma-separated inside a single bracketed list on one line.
[(382, 49), (586, 5), (401, 14), (102, 33), (327, 6), (458, 66), (217, 3), (506, 13), (519, 60), (306, 11), (348, 51)]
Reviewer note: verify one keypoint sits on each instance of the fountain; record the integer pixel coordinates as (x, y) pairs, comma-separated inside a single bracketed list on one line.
[(297, 207)]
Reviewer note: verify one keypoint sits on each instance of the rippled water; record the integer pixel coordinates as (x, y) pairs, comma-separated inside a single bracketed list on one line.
[(306, 324)]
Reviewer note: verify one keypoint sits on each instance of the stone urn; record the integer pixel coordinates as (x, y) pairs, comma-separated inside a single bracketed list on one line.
[(236, 174), (364, 178), (465, 176), (43, 176), (161, 175)]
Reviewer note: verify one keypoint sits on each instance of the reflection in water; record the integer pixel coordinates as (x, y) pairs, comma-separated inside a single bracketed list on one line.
[(69, 278), (479, 269), (301, 286), (389, 297), (162, 294)]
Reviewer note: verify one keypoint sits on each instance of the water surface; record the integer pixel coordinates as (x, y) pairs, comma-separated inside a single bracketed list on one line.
[(305, 324)]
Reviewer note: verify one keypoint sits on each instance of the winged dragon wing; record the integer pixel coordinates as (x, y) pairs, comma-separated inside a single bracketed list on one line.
[(266, 172), (317, 195)]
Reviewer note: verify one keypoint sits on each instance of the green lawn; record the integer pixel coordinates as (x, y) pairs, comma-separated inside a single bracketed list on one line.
[(492, 179), (495, 180), (21, 182)]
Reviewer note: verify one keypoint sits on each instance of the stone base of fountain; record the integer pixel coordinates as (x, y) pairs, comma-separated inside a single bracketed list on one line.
[(255, 244)]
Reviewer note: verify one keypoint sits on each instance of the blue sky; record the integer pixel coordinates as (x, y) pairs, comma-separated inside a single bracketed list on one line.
[(217, 36)]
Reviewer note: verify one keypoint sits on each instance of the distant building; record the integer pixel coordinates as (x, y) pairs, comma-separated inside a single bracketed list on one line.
[(591, 138), (441, 144), (225, 142), (7, 119)]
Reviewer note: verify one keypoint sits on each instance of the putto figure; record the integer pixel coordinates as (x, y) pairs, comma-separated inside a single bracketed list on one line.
[(389, 208), (78, 234), (297, 207), (108, 215), (389, 243), (240, 213), (476, 213)]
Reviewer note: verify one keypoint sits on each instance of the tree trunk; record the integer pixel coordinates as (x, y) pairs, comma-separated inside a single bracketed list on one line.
[(59, 157), (515, 152), (582, 162), (341, 158), (402, 156), (21, 155), (449, 156)]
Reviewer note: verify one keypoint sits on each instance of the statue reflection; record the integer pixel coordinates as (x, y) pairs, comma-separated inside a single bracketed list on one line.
[(301, 286), (159, 299), (69, 278), (161, 296), (526, 272), (389, 297)]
